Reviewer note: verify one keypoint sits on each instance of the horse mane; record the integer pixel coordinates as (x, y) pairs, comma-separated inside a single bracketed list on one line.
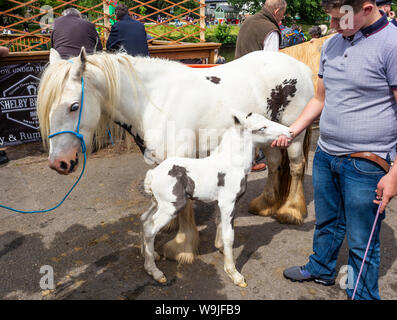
[(54, 79)]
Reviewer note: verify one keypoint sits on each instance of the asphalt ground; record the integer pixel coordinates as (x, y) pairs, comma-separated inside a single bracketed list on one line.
[(92, 242)]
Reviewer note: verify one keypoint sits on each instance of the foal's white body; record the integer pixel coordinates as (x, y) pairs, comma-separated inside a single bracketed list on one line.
[(167, 106), (220, 177)]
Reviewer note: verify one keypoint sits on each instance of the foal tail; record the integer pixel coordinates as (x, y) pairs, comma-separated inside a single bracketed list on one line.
[(147, 184)]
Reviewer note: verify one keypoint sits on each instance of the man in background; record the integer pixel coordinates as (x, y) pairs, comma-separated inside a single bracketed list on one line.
[(385, 6), (128, 34), (261, 32), (71, 32)]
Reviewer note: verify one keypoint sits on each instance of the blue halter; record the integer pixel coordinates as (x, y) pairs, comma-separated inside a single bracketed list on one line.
[(83, 150)]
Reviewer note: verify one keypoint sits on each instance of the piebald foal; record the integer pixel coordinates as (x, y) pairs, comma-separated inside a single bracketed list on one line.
[(222, 176)]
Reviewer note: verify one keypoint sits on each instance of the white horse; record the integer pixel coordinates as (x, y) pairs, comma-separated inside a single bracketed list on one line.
[(155, 99), (220, 177)]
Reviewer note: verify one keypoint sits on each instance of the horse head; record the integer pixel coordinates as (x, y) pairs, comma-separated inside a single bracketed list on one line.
[(67, 101)]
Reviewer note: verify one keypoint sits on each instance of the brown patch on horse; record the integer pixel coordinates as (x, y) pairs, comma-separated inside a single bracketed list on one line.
[(183, 187), (213, 79), (221, 179), (278, 100)]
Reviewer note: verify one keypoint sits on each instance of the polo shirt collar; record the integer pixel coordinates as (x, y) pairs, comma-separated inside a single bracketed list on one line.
[(376, 26)]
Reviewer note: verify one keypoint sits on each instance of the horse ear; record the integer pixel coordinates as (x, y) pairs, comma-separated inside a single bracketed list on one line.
[(79, 64), (83, 56), (54, 56)]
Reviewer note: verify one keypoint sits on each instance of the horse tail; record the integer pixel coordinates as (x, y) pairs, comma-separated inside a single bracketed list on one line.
[(284, 177), (284, 173), (148, 182)]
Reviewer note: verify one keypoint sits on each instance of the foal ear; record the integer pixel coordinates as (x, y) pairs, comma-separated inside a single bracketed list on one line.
[(54, 56), (236, 121)]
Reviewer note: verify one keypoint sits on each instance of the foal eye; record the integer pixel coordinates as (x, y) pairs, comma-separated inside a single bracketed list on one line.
[(262, 129), (74, 107)]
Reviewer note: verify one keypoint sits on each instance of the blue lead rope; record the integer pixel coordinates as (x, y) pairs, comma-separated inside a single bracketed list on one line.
[(83, 150)]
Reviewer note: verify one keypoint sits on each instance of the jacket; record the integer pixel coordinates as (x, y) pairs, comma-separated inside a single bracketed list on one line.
[(130, 35), (70, 33)]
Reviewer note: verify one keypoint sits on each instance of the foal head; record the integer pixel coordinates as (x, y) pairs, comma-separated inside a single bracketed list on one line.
[(263, 130), (59, 104)]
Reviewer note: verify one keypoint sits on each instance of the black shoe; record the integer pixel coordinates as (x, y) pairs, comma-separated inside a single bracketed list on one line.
[(3, 157), (300, 274)]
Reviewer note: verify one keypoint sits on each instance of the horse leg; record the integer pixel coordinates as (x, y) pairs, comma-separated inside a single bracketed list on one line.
[(228, 239), (152, 223), (294, 210), (267, 203), (184, 247)]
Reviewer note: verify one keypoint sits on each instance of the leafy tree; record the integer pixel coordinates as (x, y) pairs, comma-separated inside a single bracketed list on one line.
[(309, 11)]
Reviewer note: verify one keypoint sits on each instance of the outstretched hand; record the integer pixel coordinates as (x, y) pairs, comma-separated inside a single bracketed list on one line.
[(283, 141)]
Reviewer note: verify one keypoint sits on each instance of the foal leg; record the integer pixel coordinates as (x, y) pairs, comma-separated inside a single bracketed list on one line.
[(148, 214), (151, 226), (184, 247), (268, 202), (294, 209), (227, 213)]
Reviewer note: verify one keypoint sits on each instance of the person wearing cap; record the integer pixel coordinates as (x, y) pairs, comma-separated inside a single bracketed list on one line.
[(356, 97), (385, 6)]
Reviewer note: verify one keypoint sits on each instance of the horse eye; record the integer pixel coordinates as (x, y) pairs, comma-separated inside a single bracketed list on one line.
[(262, 129), (74, 107)]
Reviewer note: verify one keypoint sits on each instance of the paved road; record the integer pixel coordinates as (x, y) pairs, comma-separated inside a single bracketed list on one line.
[(92, 242)]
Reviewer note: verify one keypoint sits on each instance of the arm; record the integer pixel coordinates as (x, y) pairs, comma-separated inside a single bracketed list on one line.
[(387, 186), (111, 42), (3, 52), (309, 114), (98, 46), (271, 42)]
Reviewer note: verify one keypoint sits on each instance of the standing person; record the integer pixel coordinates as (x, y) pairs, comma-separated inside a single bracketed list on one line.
[(261, 31), (356, 97), (71, 32), (385, 6), (3, 156), (128, 34)]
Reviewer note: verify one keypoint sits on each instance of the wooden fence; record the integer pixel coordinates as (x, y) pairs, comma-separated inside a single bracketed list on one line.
[(29, 24)]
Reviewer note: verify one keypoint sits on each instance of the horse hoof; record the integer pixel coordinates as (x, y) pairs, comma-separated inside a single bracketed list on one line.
[(243, 285), (163, 280)]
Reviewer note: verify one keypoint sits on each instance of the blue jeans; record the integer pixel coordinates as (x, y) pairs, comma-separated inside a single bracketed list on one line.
[(344, 189)]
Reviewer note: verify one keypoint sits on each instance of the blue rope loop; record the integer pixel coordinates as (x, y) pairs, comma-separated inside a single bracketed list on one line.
[(83, 150)]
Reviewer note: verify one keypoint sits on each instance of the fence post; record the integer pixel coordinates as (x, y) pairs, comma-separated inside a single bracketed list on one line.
[(202, 20), (106, 20)]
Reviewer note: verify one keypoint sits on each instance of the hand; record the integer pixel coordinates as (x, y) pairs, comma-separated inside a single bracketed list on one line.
[(392, 14), (283, 141), (385, 191)]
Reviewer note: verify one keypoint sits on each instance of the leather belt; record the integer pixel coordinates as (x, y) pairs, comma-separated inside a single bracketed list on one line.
[(374, 158)]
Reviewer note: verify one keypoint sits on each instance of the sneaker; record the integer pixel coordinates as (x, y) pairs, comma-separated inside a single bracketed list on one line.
[(3, 157), (256, 167), (300, 274)]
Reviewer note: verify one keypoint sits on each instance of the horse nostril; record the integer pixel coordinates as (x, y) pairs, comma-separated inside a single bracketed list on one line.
[(72, 165), (63, 165)]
